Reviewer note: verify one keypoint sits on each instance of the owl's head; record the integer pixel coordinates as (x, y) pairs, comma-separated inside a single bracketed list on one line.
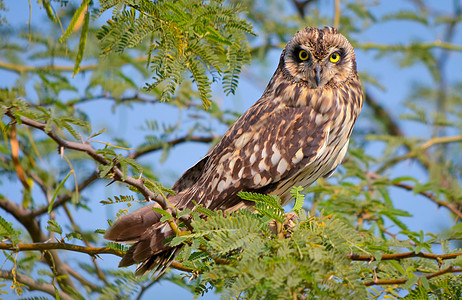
[(316, 57)]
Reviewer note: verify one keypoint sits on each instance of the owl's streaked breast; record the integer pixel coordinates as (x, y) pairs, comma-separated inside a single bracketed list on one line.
[(338, 109)]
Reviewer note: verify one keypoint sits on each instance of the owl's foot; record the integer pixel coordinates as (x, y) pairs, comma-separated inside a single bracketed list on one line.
[(284, 230)]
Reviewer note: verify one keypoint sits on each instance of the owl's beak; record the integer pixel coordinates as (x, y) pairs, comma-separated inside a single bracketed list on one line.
[(317, 71)]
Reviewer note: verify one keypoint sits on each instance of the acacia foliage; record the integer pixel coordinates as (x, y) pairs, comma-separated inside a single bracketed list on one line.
[(354, 238)]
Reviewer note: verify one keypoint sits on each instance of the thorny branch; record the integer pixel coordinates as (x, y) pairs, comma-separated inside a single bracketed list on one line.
[(398, 256), (450, 269), (88, 149), (62, 199), (61, 246), (92, 251), (37, 235), (171, 143), (34, 285)]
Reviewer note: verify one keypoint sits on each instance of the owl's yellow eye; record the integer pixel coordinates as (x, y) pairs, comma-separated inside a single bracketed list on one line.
[(334, 57), (303, 55)]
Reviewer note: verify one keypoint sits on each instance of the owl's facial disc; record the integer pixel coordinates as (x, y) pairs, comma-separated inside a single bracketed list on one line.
[(317, 58)]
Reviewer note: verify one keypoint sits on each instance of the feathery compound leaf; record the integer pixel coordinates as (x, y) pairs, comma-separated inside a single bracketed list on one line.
[(267, 205), (271, 200), (295, 192), (192, 36), (119, 199), (53, 226), (205, 211), (117, 246), (6, 228), (202, 81)]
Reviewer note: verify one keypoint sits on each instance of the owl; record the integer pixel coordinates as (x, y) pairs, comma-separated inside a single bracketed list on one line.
[(295, 133)]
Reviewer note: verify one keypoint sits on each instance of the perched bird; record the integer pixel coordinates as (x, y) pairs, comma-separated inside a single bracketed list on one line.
[(295, 133)]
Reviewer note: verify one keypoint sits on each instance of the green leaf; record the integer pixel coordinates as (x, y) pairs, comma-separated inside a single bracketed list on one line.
[(411, 281), (83, 41), (177, 240), (80, 10), (100, 231), (162, 212), (397, 266), (425, 283), (74, 235), (49, 10), (55, 194), (102, 130)]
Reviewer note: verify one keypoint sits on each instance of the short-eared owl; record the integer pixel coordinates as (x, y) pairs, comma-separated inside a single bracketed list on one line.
[(295, 133)]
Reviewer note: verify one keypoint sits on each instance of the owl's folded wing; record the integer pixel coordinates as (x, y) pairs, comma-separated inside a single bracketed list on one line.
[(273, 149)]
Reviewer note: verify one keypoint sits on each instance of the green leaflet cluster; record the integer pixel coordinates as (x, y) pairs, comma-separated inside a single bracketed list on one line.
[(205, 39), (241, 256)]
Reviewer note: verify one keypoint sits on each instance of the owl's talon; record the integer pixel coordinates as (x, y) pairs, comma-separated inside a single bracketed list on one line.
[(284, 230)]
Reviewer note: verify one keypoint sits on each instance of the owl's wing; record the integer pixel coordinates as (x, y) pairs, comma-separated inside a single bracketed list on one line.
[(274, 147), (191, 175)]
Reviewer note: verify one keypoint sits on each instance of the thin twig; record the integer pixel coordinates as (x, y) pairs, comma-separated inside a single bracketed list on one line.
[(17, 68), (436, 44), (337, 14), (171, 143), (451, 206), (441, 140), (82, 280), (62, 199)]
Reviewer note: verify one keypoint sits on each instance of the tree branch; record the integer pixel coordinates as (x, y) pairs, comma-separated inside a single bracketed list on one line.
[(17, 68), (436, 44), (82, 280), (27, 68), (88, 149), (399, 256), (337, 14), (92, 251), (33, 228), (450, 269), (451, 206), (34, 285)]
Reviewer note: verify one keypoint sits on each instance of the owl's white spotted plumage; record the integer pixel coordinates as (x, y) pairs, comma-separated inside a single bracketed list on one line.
[(295, 133)]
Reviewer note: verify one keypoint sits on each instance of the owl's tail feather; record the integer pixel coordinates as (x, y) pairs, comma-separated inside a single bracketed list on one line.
[(144, 229)]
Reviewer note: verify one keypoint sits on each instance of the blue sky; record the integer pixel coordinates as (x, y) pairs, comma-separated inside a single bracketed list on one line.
[(397, 82)]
